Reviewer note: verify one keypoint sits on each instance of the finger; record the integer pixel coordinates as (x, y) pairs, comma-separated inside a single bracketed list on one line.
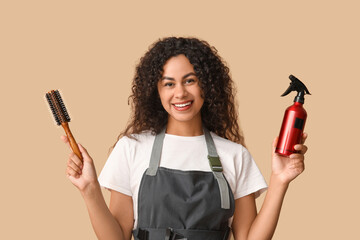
[(297, 157), (304, 137), (64, 138), (71, 172), (297, 162), (84, 153), (73, 166), (66, 141), (72, 178), (275, 143), (298, 166), (76, 160), (75, 169), (301, 148)]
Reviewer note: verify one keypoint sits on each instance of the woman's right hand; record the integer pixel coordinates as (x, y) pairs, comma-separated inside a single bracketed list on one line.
[(81, 173)]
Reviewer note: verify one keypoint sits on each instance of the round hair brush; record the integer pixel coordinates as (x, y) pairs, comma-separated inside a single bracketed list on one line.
[(62, 118)]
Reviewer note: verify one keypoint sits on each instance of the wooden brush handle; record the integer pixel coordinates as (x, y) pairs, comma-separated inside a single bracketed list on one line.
[(72, 141)]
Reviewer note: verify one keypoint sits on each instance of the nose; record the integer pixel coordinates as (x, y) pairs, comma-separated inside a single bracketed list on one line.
[(180, 91)]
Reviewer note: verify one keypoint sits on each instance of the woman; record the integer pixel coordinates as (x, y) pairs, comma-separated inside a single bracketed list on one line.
[(180, 169)]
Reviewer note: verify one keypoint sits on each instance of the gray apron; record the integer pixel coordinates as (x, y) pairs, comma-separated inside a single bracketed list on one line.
[(187, 205)]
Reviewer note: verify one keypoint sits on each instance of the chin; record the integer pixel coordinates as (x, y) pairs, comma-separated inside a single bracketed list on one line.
[(184, 119)]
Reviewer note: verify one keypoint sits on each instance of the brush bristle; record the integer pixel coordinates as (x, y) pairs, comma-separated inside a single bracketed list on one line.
[(57, 107), (62, 105), (52, 108)]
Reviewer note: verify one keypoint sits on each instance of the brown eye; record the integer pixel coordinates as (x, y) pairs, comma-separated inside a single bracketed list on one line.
[(189, 81)]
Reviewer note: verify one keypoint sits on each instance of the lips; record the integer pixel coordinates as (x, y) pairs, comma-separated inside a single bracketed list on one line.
[(183, 105)]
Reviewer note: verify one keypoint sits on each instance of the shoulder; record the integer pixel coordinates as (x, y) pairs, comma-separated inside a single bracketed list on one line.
[(233, 155), (239, 168), (142, 138), (130, 146), (225, 144)]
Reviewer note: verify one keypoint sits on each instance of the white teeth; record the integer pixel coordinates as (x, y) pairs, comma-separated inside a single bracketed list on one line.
[(182, 105)]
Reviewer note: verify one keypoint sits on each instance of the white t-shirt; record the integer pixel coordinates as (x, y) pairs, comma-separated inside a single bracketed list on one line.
[(130, 158)]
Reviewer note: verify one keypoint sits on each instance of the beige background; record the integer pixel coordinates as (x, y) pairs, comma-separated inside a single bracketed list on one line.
[(88, 50)]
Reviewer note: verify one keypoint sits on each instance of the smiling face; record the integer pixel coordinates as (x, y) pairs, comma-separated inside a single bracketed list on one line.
[(180, 93)]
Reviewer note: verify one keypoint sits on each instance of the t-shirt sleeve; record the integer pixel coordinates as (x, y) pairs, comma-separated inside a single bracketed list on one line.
[(116, 172), (248, 176)]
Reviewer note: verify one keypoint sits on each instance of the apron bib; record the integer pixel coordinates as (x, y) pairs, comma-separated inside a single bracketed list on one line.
[(187, 205)]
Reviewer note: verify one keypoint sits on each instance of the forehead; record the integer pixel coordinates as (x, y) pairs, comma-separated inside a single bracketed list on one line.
[(178, 65)]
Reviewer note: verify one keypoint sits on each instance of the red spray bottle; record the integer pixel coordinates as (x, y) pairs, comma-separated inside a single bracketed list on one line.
[(294, 119)]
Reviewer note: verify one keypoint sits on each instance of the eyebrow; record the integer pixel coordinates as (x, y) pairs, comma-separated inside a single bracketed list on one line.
[(173, 79)]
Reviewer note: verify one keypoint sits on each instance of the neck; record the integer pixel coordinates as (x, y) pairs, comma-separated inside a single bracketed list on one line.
[(188, 128)]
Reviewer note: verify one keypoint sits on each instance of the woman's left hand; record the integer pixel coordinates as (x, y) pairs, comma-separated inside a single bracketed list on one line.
[(287, 169)]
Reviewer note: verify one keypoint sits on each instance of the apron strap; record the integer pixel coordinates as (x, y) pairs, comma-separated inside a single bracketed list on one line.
[(224, 190), (156, 153), (213, 157), (216, 167), (214, 161)]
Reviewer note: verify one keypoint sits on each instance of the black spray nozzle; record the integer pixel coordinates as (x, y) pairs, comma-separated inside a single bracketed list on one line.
[(297, 85)]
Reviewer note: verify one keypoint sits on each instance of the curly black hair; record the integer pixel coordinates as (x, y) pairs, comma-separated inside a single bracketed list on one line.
[(218, 112)]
